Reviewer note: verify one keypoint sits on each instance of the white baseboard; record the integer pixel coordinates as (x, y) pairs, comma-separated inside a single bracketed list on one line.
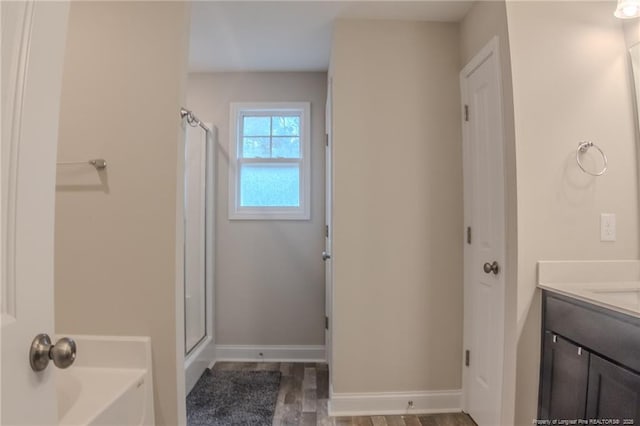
[(279, 353), (395, 403)]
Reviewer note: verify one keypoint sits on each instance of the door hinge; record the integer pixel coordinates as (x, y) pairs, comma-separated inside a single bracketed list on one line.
[(468, 235), (326, 139), (467, 354), (326, 323), (466, 113), (326, 231)]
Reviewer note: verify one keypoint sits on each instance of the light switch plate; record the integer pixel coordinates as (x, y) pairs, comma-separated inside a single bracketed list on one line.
[(607, 227)]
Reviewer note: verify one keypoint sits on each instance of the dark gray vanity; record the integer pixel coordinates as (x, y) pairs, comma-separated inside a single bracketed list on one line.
[(590, 366)]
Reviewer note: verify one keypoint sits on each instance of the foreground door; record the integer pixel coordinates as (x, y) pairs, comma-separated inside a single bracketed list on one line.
[(33, 43), (484, 246)]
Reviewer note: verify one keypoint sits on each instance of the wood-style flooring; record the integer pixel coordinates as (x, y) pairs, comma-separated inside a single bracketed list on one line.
[(304, 393)]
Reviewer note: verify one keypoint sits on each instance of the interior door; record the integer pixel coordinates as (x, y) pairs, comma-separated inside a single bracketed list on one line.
[(326, 256), (33, 44), (484, 245)]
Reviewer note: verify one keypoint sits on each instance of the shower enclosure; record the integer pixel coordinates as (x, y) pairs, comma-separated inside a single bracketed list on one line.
[(198, 216)]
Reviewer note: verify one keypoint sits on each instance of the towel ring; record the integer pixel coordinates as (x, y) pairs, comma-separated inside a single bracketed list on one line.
[(584, 147)]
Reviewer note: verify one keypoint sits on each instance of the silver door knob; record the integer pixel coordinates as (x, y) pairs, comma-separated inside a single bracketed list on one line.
[(491, 267), (63, 353), (325, 256)]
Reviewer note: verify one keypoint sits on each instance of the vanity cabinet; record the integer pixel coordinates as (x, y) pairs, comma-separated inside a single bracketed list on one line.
[(590, 362), (614, 392), (565, 373)]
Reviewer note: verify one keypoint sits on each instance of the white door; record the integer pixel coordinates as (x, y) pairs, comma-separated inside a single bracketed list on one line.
[(484, 245), (329, 226), (33, 44)]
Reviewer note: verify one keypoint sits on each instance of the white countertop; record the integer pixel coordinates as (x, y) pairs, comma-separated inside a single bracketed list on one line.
[(613, 285)]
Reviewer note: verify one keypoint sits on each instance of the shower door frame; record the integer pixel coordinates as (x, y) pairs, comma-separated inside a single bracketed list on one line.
[(202, 355)]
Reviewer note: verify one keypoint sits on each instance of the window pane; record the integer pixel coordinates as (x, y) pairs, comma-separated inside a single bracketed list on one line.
[(286, 126), (286, 148), (255, 148), (256, 126), (270, 185)]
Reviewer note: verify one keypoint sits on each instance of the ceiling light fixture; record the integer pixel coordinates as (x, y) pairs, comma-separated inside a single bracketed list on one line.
[(627, 9)]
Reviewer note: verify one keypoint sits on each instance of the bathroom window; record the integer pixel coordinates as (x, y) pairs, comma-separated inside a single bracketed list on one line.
[(269, 176)]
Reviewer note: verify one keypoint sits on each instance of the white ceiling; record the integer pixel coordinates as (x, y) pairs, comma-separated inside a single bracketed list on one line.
[(289, 35)]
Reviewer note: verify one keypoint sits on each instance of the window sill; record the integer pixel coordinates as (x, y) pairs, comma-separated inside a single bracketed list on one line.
[(269, 215)]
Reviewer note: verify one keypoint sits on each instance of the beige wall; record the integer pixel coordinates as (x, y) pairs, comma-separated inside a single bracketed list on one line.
[(269, 274), (397, 207), (115, 234), (485, 20), (631, 31), (571, 82)]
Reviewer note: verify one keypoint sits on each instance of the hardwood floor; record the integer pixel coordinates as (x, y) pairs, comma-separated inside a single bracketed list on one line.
[(304, 393)]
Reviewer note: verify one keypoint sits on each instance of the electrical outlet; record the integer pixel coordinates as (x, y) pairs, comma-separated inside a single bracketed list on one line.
[(607, 227)]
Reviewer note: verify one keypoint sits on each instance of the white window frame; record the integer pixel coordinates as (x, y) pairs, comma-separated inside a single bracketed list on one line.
[(237, 212)]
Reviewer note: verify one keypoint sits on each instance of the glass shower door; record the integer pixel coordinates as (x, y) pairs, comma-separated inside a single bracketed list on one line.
[(195, 238)]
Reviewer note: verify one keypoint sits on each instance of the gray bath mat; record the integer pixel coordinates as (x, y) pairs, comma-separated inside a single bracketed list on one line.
[(222, 398)]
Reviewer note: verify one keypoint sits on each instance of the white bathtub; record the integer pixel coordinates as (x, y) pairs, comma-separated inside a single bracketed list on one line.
[(109, 384)]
